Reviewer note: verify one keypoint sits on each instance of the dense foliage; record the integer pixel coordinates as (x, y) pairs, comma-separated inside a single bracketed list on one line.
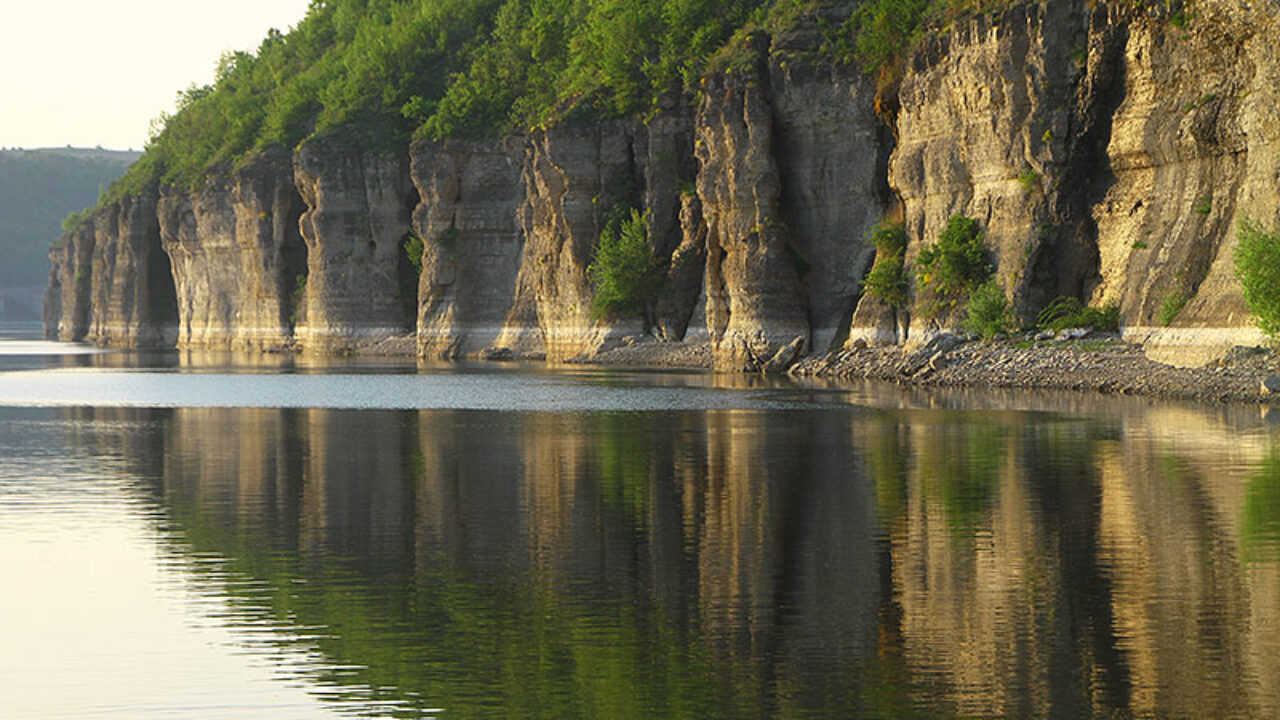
[(888, 278), (1069, 312), (624, 270), (953, 267), (384, 70), (38, 188), (1258, 267), (989, 312)]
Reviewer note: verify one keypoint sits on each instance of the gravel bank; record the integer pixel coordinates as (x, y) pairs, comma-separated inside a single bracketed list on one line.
[(1098, 363)]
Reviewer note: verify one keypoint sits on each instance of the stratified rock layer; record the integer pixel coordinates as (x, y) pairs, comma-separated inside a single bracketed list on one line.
[(359, 285), (237, 257)]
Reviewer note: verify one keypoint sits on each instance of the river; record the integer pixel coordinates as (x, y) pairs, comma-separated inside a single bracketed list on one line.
[(218, 536)]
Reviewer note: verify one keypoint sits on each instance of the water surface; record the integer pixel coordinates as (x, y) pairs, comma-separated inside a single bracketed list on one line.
[(213, 536)]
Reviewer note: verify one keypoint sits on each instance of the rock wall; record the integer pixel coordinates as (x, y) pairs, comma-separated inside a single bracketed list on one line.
[(360, 286), (830, 148), (754, 300), (985, 129), (1194, 150), (472, 243), (1108, 152), (132, 295), (68, 300), (237, 257)]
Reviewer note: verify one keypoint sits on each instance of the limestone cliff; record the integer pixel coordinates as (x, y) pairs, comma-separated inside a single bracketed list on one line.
[(1194, 149), (1107, 150), (987, 128), (359, 284), (472, 243), (237, 256), (132, 291), (67, 301)]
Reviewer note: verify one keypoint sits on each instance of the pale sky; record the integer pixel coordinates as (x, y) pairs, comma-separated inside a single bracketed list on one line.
[(95, 72)]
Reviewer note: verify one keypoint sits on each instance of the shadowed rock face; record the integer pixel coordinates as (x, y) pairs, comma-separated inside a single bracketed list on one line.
[(472, 242), (360, 285), (1108, 154), (830, 152), (133, 302), (236, 256)]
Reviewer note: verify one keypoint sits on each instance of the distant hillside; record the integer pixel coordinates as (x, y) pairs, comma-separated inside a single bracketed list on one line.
[(38, 188)]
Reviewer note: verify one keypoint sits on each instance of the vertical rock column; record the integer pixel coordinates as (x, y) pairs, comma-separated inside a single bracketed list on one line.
[(360, 287), (573, 175), (754, 305), (237, 256), (830, 150), (68, 298), (469, 223), (132, 295)]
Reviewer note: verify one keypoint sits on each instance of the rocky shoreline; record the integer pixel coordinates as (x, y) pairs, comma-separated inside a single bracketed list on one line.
[(1096, 363)]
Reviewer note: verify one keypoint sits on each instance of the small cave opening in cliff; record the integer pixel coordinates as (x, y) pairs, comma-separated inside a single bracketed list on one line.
[(293, 267), (162, 293)]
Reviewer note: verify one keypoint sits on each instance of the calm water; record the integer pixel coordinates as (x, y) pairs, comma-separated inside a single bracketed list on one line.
[(220, 537)]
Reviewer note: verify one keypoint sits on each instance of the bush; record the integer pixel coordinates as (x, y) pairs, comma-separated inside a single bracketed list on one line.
[(413, 248), (1257, 260), (956, 265), (1030, 181), (888, 278), (1069, 312), (624, 269), (989, 312)]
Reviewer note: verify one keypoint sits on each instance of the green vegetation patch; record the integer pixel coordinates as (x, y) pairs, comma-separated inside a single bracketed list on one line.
[(625, 272), (1069, 312), (1257, 260), (887, 279), (989, 312), (953, 267)]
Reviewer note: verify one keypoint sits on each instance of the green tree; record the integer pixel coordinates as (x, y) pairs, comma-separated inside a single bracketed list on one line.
[(624, 270), (1257, 260), (953, 267), (888, 278)]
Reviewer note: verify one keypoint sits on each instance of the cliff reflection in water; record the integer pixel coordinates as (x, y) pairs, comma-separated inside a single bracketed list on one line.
[(821, 563)]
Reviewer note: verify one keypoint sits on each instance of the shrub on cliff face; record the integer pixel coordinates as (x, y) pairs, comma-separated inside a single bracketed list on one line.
[(1257, 261), (953, 267), (413, 249), (624, 270), (1069, 312), (888, 278)]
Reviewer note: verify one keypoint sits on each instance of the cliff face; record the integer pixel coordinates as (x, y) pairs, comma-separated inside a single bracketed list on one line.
[(132, 300), (1193, 151), (986, 129), (472, 242), (359, 283), (1107, 153), (237, 257), (68, 299)]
